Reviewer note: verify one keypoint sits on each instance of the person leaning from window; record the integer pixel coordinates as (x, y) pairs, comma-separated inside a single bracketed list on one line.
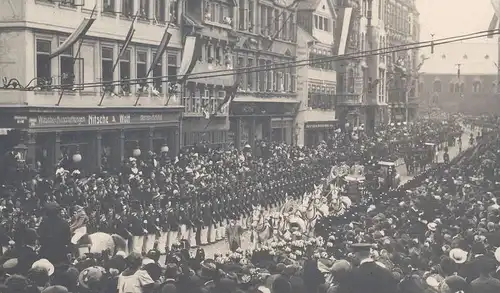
[(134, 279)]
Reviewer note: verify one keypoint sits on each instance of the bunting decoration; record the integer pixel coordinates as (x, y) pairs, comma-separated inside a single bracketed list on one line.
[(495, 19), (128, 40), (162, 47), (77, 35), (191, 54), (344, 25)]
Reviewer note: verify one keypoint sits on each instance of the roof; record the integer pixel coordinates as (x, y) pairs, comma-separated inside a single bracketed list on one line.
[(476, 58), (307, 5)]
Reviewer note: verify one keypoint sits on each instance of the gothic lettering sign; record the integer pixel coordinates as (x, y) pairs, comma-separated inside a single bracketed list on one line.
[(42, 120), (320, 125)]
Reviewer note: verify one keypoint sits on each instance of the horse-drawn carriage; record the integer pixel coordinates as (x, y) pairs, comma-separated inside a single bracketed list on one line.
[(387, 175)]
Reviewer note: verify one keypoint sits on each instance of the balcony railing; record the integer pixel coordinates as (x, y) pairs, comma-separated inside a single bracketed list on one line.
[(349, 99), (204, 106)]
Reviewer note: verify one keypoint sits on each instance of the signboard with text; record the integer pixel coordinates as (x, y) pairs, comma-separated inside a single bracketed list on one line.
[(42, 120), (320, 125)]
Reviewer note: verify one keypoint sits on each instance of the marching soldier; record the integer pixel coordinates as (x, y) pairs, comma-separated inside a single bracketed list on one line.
[(137, 227), (152, 222)]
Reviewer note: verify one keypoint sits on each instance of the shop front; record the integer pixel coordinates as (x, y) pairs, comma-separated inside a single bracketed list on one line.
[(88, 139), (316, 132), (211, 132), (263, 120)]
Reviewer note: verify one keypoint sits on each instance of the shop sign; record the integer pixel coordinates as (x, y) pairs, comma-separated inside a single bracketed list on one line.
[(95, 119), (320, 125)]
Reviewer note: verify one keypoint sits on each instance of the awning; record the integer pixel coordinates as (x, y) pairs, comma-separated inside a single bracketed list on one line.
[(252, 99)]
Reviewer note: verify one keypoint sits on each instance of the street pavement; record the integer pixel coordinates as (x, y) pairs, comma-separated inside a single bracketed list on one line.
[(221, 247)]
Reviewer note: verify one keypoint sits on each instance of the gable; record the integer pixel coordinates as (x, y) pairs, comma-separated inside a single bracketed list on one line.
[(325, 8)]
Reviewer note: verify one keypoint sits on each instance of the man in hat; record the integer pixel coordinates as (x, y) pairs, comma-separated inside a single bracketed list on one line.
[(369, 277), (233, 235), (55, 235)]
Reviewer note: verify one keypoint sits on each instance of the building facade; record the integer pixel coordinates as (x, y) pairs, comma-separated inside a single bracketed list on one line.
[(350, 38), (471, 90), (212, 23), (317, 80), (62, 115), (401, 20), (265, 105)]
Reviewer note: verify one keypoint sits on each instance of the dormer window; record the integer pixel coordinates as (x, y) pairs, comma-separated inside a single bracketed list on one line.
[(322, 23)]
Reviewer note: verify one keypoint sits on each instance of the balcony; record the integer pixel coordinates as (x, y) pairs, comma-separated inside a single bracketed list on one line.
[(202, 68), (349, 99), (318, 74), (203, 106)]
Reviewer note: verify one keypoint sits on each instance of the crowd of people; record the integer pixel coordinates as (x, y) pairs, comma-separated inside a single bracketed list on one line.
[(157, 202)]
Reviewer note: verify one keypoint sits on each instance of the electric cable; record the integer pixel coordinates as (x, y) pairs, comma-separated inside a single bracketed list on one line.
[(297, 63)]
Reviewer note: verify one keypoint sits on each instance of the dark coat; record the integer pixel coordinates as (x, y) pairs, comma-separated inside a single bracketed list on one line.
[(369, 278), (55, 237)]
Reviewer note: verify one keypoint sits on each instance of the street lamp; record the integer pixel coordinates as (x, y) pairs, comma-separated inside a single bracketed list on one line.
[(136, 152), (20, 152), (77, 157)]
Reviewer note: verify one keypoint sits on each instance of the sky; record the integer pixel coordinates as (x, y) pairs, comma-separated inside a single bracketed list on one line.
[(447, 18)]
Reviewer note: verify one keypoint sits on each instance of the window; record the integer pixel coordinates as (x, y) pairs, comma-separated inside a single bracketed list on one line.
[(160, 7), (141, 67), (316, 22), (462, 87), (67, 68), (262, 76), (284, 25), (107, 67), (326, 25), (43, 69), (172, 67), (125, 72), (250, 81), (144, 9), (277, 27), (457, 87), (293, 79), (269, 84), (172, 8), (242, 15), (291, 27), (452, 88), (250, 15), (269, 21), (157, 74), (128, 8), (108, 6), (350, 81), (263, 18), (321, 23), (476, 87), (436, 86)]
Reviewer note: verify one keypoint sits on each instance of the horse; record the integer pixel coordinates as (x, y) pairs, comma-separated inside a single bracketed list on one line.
[(313, 208), (261, 229), (100, 242)]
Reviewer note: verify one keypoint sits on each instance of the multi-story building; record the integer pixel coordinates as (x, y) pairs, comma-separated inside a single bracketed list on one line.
[(402, 26), (472, 91), (69, 119), (213, 24), (317, 79), (265, 105), (373, 36), (352, 73)]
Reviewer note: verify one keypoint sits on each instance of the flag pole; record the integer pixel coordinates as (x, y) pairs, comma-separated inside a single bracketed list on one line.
[(76, 55), (151, 67), (117, 61)]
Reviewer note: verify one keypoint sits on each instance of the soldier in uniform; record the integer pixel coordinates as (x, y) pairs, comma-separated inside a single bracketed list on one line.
[(370, 276), (152, 229), (138, 230), (163, 231), (172, 225)]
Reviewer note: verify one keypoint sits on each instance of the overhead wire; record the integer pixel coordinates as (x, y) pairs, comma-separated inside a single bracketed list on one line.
[(297, 63)]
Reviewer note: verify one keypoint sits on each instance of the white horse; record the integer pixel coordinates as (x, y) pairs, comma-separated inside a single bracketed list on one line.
[(100, 242)]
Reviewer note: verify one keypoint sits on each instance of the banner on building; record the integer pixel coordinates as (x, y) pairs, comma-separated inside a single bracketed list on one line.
[(192, 51), (162, 47), (77, 35), (343, 30), (495, 18)]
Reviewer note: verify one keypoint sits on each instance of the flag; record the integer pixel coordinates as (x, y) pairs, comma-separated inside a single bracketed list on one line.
[(162, 47), (230, 95), (77, 35), (494, 20), (192, 52), (128, 40)]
